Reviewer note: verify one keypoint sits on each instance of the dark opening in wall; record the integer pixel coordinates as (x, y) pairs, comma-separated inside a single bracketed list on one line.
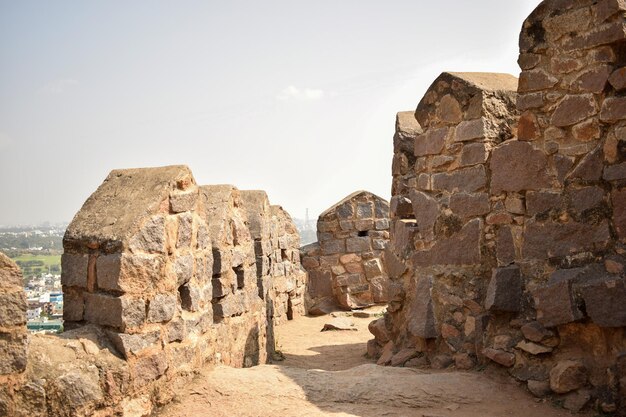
[(363, 233), (240, 276), (185, 297), (283, 255), (289, 309)]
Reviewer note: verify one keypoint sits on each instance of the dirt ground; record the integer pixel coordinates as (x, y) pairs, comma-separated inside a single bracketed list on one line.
[(327, 374)]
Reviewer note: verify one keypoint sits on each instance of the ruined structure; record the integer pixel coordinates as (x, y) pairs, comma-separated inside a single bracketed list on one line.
[(346, 264), (160, 277), (508, 237)]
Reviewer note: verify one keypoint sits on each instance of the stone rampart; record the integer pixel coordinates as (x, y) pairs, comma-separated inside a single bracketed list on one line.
[(507, 237), (160, 277)]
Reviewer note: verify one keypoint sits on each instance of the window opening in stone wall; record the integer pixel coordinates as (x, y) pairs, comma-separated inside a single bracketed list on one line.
[(240, 276), (363, 233)]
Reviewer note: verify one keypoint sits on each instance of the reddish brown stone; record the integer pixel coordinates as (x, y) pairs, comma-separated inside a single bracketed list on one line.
[(613, 109), (430, 143), (605, 302), (618, 79), (590, 167), (466, 179), (426, 210), (449, 110), (470, 130), (542, 201), (573, 109), (536, 80), (421, 315), (529, 165), (615, 172), (528, 61), (551, 239), (527, 127), (529, 101), (467, 205), (504, 292), (505, 248), (594, 81), (585, 198), (463, 248), (555, 304), (500, 356), (586, 131), (567, 376), (601, 35), (473, 154), (618, 199)]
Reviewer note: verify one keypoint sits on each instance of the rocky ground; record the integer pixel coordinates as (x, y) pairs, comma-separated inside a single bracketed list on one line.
[(326, 373)]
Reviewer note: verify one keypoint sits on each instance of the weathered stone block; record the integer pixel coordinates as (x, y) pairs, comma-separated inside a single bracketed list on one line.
[(320, 283), (373, 268), (615, 172), (381, 224), (183, 200), (473, 154), (185, 229), (74, 269), (129, 273), (618, 198), (551, 239), (333, 246), (470, 130), (401, 207), (613, 110), (364, 225), (364, 210), (499, 356), (556, 305), (567, 376), (529, 165), (585, 198), (345, 210), (161, 308), (536, 80), (13, 308), (462, 248), (421, 315), (348, 280), (183, 268), (605, 302), (132, 344), (505, 246), (466, 179), (504, 292), (358, 244), (590, 167), (149, 368), (426, 210), (431, 143), (467, 205), (119, 312), (618, 79), (13, 352), (151, 237), (73, 305), (231, 305)]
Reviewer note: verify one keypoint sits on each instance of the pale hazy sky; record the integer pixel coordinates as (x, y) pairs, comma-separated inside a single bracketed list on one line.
[(294, 97)]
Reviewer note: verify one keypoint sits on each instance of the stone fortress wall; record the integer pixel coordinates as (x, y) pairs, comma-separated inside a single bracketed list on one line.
[(160, 276), (508, 234), (346, 265)]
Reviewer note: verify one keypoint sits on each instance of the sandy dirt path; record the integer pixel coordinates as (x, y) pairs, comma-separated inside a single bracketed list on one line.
[(327, 374)]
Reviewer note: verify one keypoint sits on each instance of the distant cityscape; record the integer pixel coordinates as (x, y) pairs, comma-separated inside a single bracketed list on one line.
[(37, 250)]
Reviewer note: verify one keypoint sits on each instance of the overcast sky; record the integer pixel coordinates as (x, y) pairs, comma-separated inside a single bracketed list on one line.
[(294, 97)]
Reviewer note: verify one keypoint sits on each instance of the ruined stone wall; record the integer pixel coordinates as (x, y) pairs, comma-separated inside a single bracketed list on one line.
[(346, 265), (160, 278), (281, 280), (13, 335), (507, 243)]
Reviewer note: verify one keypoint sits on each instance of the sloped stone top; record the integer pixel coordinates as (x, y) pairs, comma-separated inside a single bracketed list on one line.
[(114, 212), (457, 96), (354, 196)]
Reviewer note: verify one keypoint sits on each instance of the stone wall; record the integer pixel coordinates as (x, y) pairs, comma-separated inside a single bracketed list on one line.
[(160, 277), (13, 335), (507, 240), (346, 265)]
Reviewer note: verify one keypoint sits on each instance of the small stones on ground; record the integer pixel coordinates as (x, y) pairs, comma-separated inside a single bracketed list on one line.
[(339, 323)]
